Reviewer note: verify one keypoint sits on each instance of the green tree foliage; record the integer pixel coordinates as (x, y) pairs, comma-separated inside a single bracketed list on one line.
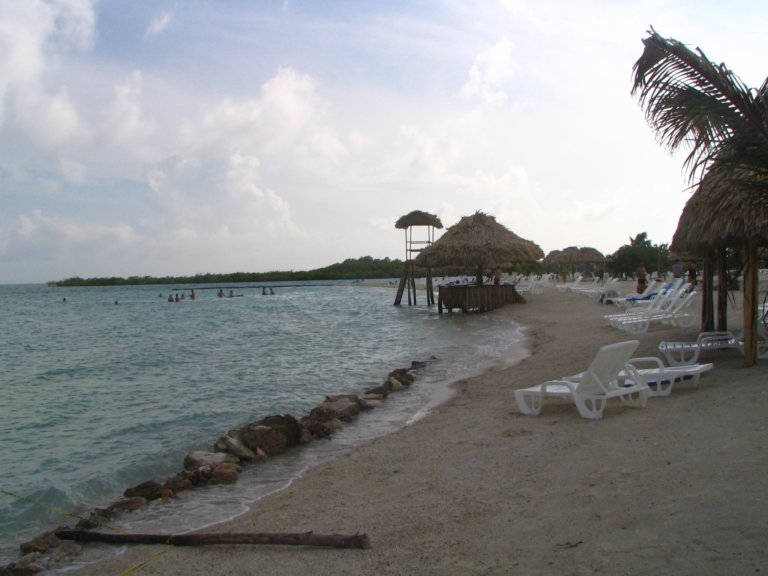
[(351, 269), (639, 250)]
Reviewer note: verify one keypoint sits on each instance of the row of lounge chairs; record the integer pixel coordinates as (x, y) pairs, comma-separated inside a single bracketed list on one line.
[(613, 373), (670, 306)]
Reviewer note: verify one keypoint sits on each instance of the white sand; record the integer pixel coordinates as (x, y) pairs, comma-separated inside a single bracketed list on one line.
[(680, 487)]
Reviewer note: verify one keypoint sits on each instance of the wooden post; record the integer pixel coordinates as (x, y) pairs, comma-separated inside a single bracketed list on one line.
[(707, 307), (750, 305), (722, 289)]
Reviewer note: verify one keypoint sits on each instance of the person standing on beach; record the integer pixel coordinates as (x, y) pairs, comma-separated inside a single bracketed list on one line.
[(692, 274), (642, 280)]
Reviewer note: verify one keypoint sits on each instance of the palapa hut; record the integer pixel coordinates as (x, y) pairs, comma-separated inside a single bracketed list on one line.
[(566, 261), (480, 243), (412, 247), (723, 214)]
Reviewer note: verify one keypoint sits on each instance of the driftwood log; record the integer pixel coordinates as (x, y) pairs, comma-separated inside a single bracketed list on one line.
[(296, 539)]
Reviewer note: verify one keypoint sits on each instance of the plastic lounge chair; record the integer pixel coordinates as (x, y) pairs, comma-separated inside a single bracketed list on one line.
[(569, 285), (686, 353), (676, 314), (659, 378), (656, 305), (592, 389)]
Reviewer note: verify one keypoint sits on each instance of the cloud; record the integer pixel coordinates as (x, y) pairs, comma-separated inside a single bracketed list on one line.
[(491, 70), (30, 34), (124, 122), (158, 25)]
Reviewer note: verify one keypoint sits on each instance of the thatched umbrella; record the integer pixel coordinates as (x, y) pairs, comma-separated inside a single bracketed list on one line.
[(480, 242), (720, 214), (569, 257), (418, 218)]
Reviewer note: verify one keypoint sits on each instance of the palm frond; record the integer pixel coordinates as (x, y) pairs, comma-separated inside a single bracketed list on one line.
[(690, 101)]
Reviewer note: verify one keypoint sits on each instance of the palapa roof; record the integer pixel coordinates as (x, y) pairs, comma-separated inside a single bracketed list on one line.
[(418, 218), (722, 213), (479, 240), (574, 255)]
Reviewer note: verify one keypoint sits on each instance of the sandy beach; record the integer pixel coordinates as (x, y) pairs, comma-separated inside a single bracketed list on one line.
[(678, 487)]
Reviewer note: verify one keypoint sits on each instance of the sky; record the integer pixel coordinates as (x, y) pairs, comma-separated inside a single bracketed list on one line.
[(211, 136)]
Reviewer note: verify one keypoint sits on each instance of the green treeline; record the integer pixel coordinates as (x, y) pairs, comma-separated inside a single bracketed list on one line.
[(351, 269)]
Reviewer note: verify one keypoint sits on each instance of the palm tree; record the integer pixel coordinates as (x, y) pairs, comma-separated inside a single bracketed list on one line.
[(690, 101)]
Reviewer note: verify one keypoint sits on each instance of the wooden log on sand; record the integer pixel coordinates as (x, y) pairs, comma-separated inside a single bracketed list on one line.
[(296, 539)]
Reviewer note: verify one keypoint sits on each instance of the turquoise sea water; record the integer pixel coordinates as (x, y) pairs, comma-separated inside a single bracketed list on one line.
[(114, 386)]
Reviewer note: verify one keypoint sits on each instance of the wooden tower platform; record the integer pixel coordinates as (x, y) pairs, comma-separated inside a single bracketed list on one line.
[(413, 246)]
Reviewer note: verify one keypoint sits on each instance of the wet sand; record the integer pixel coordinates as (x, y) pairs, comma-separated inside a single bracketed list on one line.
[(678, 487)]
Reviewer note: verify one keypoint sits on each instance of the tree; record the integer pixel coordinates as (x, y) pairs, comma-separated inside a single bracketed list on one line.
[(640, 249), (691, 101)]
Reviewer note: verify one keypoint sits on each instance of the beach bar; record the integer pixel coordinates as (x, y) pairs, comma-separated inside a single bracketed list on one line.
[(470, 297), (478, 242)]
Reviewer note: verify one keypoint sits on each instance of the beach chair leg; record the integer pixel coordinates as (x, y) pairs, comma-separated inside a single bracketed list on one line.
[(529, 402)]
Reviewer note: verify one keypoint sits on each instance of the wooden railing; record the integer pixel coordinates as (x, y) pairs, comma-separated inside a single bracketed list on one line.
[(469, 297)]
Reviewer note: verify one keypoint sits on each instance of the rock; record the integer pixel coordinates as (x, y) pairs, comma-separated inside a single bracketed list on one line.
[(361, 402), (225, 473), (200, 476), (196, 459), (101, 517), (395, 384), (287, 425), (42, 543), (149, 490), (23, 567), (233, 444), (321, 428), (178, 483), (66, 552), (127, 504), (404, 376), (382, 391), (257, 437), (344, 409)]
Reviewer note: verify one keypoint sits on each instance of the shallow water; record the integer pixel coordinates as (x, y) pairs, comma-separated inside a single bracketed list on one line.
[(115, 385)]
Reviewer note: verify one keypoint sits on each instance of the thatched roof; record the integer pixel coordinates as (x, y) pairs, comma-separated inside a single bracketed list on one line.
[(574, 255), (722, 213), (479, 241), (418, 218)]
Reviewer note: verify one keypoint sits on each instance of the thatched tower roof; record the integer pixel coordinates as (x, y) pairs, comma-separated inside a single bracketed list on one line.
[(418, 218), (479, 241), (722, 213)]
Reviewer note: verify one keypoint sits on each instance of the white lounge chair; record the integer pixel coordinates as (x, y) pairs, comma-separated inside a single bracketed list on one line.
[(686, 353), (591, 390), (677, 313), (569, 285), (659, 378)]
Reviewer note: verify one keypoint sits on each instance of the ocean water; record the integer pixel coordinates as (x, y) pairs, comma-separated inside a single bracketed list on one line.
[(103, 388)]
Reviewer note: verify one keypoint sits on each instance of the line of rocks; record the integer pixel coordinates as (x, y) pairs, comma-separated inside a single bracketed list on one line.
[(253, 443)]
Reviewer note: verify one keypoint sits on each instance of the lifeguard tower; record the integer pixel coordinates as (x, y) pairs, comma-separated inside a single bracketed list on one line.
[(413, 246)]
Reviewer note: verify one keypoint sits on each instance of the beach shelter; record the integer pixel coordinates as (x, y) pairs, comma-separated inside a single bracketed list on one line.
[(479, 242), (721, 214), (571, 257)]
